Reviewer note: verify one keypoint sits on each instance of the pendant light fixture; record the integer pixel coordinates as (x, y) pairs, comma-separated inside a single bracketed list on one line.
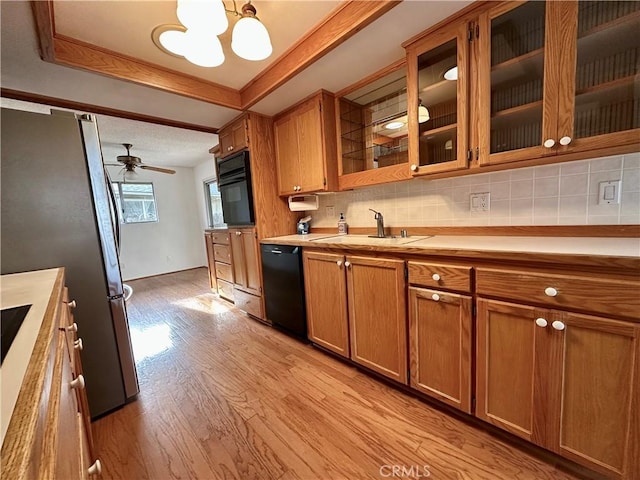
[(423, 113), (202, 21)]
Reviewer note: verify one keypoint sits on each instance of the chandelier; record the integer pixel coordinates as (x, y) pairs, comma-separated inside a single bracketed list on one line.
[(202, 21)]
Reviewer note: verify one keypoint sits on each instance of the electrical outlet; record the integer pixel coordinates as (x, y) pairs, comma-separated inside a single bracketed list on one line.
[(330, 211), (480, 202), (609, 192)]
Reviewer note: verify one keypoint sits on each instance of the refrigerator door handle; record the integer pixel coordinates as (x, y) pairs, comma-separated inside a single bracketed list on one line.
[(115, 214)]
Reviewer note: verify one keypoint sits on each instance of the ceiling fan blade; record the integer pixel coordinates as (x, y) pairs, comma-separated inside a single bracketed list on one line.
[(112, 164), (158, 169)]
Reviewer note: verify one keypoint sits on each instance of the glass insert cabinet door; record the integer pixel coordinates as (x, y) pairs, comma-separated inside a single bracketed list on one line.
[(437, 105), (515, 112), (606, 86), (372, 122)]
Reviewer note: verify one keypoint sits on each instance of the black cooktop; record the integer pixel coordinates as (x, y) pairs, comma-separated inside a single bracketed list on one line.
[(11, 320)]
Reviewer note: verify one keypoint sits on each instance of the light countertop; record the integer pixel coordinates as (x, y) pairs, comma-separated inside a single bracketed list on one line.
[(585, 250), (30, 288)]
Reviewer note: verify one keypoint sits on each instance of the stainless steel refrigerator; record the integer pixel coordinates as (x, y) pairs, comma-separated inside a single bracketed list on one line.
[(58, 211)]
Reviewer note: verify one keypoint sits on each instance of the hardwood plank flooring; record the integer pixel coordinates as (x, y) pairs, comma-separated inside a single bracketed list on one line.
[(223, 396)]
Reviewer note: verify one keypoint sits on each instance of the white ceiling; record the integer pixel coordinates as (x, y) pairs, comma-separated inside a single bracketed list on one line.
[(125, 26)]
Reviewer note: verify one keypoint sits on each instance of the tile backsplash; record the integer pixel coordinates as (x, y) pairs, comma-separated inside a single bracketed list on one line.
[(561, 194)]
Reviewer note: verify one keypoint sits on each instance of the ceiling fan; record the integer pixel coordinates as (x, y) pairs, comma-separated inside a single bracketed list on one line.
[(130, 163)]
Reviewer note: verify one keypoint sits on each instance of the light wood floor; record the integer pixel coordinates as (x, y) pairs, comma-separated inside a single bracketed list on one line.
[(223, 396)]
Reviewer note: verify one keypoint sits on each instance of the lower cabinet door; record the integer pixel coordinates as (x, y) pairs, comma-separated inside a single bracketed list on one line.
[(326, 296), (600, 399), (377, 315), (514, 359), (440, 345), (68, 456)]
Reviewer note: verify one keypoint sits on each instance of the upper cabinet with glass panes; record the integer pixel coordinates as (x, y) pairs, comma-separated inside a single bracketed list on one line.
[(556, 78), (372, 130), (438, 76)]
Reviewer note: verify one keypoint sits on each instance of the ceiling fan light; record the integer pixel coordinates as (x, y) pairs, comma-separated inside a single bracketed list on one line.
[(203, 49), (206, 15), (174, 41), (423, 114), (250, 39)]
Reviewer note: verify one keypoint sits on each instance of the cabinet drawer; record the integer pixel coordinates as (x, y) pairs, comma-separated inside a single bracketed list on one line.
[(440, 275), (225, 290), (248, 303), (220, 237), (222, 253), (618, 298), (224, 271)]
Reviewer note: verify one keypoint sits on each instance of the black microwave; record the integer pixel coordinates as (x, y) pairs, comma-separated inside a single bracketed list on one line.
[(234, 183)]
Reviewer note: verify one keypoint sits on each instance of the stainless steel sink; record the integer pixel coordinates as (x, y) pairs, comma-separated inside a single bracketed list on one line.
[(369, 240)]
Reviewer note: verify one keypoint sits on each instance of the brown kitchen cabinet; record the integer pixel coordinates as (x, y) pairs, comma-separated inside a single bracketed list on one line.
[(440, 328), (371, 120), (220, 262), (305, 146), (234, 137), (325, 286), (374, 322), (556, 78), (247, 277), (438, 100), (554, 376)]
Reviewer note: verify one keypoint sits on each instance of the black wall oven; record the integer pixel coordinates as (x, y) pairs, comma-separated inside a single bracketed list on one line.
[(235, 189)]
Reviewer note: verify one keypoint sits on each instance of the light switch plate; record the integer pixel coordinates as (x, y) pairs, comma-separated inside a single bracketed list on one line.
[(609, 192), (330, 211), (480, 202)]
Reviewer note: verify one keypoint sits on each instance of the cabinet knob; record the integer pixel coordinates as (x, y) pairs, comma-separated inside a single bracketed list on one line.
[(347, 264), (78, 382), (78, 344), (72, 304), (541, 322), (549, 142), (558, 325), (95, 469), (435, 297), (436, 277), (565, 141), (414, 167), (238, 233), (550, 292), (73, 327), (339, 263)]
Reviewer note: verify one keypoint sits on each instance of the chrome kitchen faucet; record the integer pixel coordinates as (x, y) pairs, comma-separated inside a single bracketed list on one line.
[(380, 224)]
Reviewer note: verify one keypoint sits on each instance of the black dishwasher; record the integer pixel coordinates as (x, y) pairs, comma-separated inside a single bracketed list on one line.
[(284, 288)]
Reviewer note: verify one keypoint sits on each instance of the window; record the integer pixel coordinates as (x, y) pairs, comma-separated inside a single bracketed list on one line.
[(136, 202), (214, 203)]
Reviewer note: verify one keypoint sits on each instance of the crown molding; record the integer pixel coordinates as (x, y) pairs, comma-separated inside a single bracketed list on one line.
[(342, 23)]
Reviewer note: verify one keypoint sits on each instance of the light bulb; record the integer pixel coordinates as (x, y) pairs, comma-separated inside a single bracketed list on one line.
[(174, 41), (203, 48), (250, 39), (451, 74), (423, 114), (394, 125), (205, 15)]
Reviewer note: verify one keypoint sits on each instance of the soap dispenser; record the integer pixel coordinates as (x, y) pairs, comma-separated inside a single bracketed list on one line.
[(343, 228)]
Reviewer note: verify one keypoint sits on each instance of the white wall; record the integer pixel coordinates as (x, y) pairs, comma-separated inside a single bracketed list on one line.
[(202, 172), (561, 194), (173, 243)]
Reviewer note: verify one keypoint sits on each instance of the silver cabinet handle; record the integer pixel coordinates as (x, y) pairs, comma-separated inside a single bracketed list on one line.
[(541, 322), (95, 469), (78, 382)]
